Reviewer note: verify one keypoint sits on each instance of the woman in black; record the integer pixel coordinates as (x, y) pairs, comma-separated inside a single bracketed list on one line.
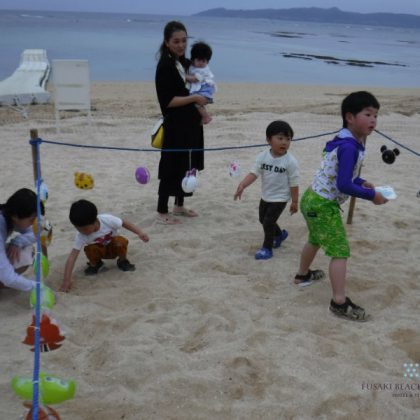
[(183, 129)]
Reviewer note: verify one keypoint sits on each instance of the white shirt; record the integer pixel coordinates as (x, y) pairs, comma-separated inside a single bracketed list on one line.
[(8, 276), (325, 180), (278, 174), (109, 226), (203, 75)]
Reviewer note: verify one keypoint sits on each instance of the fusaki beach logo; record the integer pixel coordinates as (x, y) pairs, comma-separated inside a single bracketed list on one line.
[(408, 387), (411, 370)]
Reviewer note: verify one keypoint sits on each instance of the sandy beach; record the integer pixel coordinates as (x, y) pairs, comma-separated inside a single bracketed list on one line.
[(201, 330)]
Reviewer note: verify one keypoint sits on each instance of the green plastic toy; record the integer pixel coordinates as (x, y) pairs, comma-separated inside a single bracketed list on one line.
[(52, 390), (45, 266), (47, 297)]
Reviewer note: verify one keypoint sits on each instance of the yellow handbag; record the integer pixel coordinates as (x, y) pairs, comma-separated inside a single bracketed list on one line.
[(158, 134)]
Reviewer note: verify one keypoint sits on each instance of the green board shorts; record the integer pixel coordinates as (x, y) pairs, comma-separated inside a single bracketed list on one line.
[(326, 228)]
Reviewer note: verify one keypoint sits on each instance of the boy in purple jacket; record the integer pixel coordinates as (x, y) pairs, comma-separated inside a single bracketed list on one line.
[(334, 182)]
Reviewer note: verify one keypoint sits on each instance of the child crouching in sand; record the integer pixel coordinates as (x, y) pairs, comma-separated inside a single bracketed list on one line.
[(279, 172), (98, 234)]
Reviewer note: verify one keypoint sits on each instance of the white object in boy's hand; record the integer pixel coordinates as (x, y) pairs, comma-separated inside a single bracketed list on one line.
[(387, 191)]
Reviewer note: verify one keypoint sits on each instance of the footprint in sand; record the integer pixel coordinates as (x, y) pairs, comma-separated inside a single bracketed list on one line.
[(361, 243), (186, 247), (197, 341), (408, 341), (400, 224), (244, 377), (217, 266), (207, 333)]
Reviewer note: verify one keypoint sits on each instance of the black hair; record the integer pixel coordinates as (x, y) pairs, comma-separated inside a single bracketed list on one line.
[(170, 28), (201, 50), (21, 204), (279, 127), (83, 213), (356, 102)]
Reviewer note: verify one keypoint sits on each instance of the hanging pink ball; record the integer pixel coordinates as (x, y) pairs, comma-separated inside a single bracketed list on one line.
[(142, 175)]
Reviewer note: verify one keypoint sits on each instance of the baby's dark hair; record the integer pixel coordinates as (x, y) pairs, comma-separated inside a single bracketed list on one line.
[(356, 102), (279, 127), (83, 213), (201, 50)]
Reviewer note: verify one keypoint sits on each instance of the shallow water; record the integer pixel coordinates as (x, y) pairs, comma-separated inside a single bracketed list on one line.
[(123, 47)]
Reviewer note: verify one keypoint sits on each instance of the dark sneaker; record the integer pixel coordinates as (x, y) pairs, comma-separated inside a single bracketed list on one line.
[(92, 270), (348, 310), (279, 239), (263, 254), (125, 265), (308, 278)]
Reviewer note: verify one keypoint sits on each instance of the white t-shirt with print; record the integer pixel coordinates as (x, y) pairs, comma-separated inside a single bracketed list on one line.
[(278, 174), (109, 226)]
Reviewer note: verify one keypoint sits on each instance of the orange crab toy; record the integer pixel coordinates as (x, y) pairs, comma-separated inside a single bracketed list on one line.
[(49, 331), (44, 412)]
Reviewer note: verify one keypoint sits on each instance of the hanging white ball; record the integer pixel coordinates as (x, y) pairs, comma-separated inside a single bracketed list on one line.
[(234, 168), (189, 184)]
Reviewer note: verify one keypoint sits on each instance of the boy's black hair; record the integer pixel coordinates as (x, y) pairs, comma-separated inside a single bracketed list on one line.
[(201, 50), (83, 213), (21, 204), (356, 102), (279, 127)]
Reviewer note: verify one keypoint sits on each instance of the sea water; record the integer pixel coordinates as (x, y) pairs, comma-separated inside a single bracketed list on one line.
[(123, 47)]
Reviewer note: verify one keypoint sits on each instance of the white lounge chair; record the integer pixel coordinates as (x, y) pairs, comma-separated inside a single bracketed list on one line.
[(27, 84)]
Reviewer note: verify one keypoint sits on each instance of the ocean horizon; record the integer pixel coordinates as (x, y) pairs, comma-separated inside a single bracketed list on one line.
[(123, 47)]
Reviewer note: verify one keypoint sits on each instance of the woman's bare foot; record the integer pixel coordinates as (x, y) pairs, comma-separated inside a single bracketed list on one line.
[(182, 211), (167, 219), (206, 119)]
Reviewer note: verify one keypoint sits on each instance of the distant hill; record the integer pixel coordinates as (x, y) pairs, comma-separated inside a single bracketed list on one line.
[(316, 14)]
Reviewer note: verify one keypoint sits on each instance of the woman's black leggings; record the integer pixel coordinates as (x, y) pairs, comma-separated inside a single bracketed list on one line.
[(163, 200)]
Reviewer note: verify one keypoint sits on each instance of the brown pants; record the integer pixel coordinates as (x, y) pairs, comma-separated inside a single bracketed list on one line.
[(116, 248)]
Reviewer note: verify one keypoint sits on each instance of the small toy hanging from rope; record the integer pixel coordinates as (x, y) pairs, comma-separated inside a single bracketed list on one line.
[(388, 156), (83, 180)]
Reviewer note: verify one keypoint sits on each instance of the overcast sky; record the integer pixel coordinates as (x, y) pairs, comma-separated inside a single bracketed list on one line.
[(187, 7)]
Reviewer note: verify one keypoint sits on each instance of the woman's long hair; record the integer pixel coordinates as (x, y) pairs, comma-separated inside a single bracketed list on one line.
[(170, 28), (21, 204)]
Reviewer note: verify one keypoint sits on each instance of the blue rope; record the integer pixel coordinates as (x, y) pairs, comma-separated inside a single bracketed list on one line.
[(399, 144), (210, 149), (317, 135), (35, 379)]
